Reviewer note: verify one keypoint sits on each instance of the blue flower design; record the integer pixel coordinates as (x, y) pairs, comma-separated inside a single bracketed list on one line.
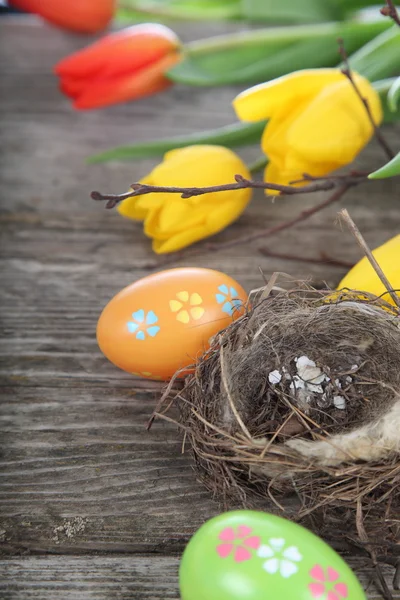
[(228, 297), (143, 324)]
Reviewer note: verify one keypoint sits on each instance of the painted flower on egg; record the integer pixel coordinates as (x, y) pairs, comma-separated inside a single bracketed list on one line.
[(327, 584), (280, 558), (238, 542), (143, 324), (229, 298), (187, 306)]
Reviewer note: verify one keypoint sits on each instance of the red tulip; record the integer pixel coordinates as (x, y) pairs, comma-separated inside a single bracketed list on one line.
[(84, 16), (121, 66)]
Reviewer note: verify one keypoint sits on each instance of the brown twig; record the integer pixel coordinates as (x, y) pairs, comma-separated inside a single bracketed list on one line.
[(140, 189), (390, 11), (264, 233), (347, 72), (339, 178), (364, 247)]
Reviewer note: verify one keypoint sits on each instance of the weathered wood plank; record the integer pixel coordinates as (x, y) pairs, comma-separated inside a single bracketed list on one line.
[(78, 471), (119, 577), (76, 454), (90, 578)]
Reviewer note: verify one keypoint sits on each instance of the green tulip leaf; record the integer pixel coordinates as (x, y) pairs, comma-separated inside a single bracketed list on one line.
[(263, 54), (289, 11), (393, 96), (383, 88), (391, 169), (231, 136), (380, 57), (181, 10)]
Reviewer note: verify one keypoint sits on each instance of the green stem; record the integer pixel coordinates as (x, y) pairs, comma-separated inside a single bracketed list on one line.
[(258, 164), (137, 9), (287, 34), (231, 136)]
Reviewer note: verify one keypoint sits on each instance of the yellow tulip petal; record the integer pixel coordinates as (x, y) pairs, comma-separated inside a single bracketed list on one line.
[(274, 137), (139, 207), (127, 208), (173, 222), (130, 208), (195, 299), (197, 313), (200, 166), (184, 296), (180, 240), (172, 217), (260, 102), (275, 174), (363, 277), (226, 213), (175, 305), (183, 316), (335, 125)]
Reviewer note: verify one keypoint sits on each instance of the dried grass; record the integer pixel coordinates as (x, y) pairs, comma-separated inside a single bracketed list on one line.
[(238, 423)]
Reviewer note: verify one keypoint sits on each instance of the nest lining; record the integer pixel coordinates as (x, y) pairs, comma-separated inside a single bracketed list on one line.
[(299, 400)]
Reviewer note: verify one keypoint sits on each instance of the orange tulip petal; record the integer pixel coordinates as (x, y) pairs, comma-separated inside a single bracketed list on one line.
[(104, 92), (73, 87), (126, 51), (85, 16)]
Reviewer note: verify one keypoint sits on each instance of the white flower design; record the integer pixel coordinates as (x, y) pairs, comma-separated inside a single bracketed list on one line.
[(280, 558)]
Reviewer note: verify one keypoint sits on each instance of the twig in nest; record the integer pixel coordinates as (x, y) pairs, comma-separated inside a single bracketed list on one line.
[(229, 396), (347, 72), (363, 245), (140, 189), (390, 11)]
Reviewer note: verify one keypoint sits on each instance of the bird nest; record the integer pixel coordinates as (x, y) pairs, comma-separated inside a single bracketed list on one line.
[(295, 408)]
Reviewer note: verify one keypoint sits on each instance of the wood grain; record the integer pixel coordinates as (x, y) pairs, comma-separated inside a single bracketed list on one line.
[(120, 577), (79, 473)]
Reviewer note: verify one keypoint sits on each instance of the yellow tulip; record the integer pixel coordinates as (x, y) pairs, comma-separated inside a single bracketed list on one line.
[(174, 222), (317, 123), (363, 277)]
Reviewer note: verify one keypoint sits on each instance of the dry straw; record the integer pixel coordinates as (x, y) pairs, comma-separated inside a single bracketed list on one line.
[(263, 442)]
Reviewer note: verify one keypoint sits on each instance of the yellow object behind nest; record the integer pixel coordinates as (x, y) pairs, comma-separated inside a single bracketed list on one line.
[(363, 277)]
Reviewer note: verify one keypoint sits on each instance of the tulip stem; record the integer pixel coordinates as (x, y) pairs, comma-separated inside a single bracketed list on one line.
[(347, 72), (390, 11), (258, 164)]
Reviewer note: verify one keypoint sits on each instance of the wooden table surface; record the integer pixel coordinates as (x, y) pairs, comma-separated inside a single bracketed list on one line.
[(92, 505)]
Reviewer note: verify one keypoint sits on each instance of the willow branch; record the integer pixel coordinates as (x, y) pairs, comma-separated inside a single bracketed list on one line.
[(140, 189), (347, 72), (322, 260), (390, 11), (263, 233)]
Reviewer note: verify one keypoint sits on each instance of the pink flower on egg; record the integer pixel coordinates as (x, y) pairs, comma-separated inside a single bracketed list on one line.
[(327, 584), (239, 542)]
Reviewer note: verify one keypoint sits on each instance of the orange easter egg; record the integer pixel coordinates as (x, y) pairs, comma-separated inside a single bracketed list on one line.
[(163, 322)]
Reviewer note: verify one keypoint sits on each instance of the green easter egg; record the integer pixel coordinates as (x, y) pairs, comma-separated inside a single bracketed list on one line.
[(249, 555)]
